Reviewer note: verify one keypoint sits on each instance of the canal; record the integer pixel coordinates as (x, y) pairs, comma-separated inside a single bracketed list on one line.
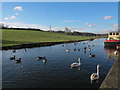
[(56, 72)]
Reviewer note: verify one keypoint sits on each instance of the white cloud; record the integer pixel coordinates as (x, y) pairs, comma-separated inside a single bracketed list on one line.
[(6, 18), (115, 25), (16, 13), (12, 17), (108, 17), (86, 23), (110, 30), (68, 21), (90, 25), (19, 8)]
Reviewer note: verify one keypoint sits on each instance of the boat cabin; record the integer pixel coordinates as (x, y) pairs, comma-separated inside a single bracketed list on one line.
[(114, 36)]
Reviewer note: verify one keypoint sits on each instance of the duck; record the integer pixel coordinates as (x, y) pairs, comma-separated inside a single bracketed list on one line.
[(91, 55), (12, 58), (14, 51), (76, 64), (95, 76), (67, 50), (84, 51), (44, 60), (25, 50), (38, 58), (89, 49), (85, 47), (88, 45), (18, 61), (74, 49), (116, 52), (78, 49)]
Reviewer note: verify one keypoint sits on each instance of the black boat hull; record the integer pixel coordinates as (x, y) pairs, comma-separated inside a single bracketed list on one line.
[(111, 44)]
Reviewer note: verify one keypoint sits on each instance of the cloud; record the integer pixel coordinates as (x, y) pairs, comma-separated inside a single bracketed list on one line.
[(6, 18), (16, 13), (110, 30), (68, 21), (12, 17), (115, 25), (19, 8), (108, 17), (86, 23), (90, 25)]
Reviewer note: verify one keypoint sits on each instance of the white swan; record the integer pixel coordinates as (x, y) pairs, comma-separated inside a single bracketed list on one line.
[(95, 76), (76, 64)]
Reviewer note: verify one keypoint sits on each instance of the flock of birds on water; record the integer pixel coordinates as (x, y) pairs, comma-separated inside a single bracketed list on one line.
[(94, 76)]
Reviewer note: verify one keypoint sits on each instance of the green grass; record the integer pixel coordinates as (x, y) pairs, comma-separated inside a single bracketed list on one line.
[(17, 37)]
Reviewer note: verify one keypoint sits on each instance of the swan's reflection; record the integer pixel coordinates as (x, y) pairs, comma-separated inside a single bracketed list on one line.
[(76, 67), (111, 52)]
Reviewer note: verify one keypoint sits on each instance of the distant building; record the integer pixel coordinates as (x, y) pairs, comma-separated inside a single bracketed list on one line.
[(67, 29)]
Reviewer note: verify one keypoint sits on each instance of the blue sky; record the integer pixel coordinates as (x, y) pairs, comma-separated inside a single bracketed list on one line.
[(97, 17)]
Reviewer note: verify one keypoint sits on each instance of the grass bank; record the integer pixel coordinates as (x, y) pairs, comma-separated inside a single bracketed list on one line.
[(18, 37)]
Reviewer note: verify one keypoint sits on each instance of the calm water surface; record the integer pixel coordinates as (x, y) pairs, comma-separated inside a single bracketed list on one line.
[(56, 72)]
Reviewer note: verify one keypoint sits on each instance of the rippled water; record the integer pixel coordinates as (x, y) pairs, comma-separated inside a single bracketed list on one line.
[(56, 72)]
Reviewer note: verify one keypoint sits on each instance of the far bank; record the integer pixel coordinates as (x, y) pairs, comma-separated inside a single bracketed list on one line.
[(14, 39)]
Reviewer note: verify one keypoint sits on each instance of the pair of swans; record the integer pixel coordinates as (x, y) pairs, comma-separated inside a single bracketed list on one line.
[(94, 76)]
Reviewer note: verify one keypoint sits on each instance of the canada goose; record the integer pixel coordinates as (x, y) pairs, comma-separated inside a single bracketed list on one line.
[(18, 61), (12, 58)]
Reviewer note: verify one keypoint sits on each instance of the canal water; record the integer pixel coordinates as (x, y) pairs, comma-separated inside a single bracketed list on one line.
[(56, 72)]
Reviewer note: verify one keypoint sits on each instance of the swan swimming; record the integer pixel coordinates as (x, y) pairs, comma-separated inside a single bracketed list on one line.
[(95, 76), (76, 64)]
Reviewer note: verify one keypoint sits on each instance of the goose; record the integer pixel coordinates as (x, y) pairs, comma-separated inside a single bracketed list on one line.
[(91, 55), (18, 61), (38, 58), (95, 76), (76, 64), (12, 58)]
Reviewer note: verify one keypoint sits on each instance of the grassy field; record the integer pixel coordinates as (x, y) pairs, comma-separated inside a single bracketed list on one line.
[(17, 37)]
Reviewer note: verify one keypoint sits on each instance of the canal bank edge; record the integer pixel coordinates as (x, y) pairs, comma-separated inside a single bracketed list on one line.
[(38, 44), (111, 81)]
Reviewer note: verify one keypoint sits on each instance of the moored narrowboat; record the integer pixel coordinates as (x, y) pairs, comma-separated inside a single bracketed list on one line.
[(113, 39)]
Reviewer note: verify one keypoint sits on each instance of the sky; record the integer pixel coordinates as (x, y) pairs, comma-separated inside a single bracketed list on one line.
[(94, 17)]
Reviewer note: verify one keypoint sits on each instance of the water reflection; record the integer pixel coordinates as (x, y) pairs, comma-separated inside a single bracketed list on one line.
[(112, 53)]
